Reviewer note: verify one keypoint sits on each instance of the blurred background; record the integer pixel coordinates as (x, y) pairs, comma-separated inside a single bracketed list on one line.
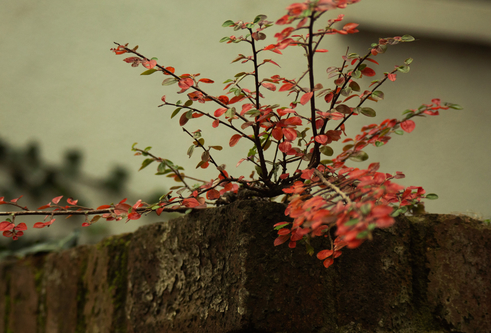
[(70, 109)]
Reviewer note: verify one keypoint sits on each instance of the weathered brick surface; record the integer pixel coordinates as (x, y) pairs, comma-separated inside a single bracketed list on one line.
[(217, 271)]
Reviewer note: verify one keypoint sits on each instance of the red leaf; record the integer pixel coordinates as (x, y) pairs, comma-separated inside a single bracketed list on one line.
[(121, 208), (392, 76), (286, 87), (285, 146), (245, 108), (322, 139), (281, 239), (45, 206), (206, 80), (236, 99), (104, 207), (170, 69), (350, 26), (372, 60), (223, 99), (368, 71), (57, 199), (215, 123), (306, 97), (21, 227), (190, 202), (328, 262), (183, 120), (290, 134), (7, 233), (38, 225), (5, 225), (408, 126), (50, 222), (85, 224), (321, 50), (328, 97), (149, 63), (324, 254), (269, 86), (71, 201), (134, 216), (212, 194), (284, 231), (220, 111), (15, 200), (234, 139), (185, 83)]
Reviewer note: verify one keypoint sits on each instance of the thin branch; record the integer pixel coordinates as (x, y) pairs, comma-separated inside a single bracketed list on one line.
[(334, 188)]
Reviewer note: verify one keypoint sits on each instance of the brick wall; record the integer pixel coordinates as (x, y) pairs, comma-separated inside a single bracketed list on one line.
[(217, 271)]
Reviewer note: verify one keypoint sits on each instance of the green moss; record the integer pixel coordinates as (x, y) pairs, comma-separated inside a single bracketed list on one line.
[(117, 278), (81, 294), (41, 313), (116, 248)]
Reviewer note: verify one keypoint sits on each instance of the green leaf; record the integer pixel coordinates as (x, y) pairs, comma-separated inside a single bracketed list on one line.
[(147, 148), (379, 143), (189, 114), (224, 39), (408, 38), (326, 150), (250, 25), (253, 113), (369, 112), (309, 249), (278, 227), (258, 170), (359, 156), (216, 147), (170, 81), (356, 74), (378, 95), (365, 209), (133, 146), (354, 86), (352, 222), (176, 111), (455, 106), (146, 162), (188, 103), (190, 150), (161, 167), (149, 71), (259, 17), (403, 69), (385, 131), (362, 234), (431, 196), (230, 112), (343, 108), (399, 132), (408, 61), (228, 23)]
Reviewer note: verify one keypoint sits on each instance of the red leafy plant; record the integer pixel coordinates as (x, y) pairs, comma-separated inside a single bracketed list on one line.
[(325, 196)]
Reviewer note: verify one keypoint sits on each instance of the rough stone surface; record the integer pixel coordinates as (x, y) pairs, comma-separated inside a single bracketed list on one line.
[(217, 271)]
